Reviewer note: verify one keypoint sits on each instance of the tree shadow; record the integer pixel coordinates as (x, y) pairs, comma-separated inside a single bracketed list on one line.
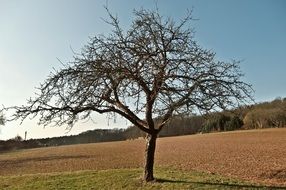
[(222, 184), (160, 180)]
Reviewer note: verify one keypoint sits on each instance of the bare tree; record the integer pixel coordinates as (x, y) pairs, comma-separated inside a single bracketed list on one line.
[(152, 70), (2, 118)]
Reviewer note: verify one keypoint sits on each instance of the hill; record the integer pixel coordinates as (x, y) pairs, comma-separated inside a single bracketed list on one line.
[(258, 116), (257, 156)]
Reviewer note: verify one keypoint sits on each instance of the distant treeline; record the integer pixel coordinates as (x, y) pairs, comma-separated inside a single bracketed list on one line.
[(266, 115), (263, 115)]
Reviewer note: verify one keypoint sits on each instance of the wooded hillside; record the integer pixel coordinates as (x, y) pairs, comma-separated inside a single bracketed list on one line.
[(263, 115)]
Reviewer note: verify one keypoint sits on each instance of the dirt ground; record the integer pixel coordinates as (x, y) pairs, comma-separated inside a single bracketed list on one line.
[(257, 155), (254, 155)]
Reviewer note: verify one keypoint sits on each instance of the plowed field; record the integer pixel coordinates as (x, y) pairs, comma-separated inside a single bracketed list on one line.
[(256, 155)]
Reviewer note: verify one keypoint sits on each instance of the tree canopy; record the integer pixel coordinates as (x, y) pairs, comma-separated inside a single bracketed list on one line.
[(153, 69), (156, 68)]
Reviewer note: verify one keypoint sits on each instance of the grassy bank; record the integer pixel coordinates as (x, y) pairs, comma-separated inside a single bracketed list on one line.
[(122, 179)]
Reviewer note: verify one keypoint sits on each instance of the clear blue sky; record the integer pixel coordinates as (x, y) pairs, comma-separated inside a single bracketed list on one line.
[(33, 34)]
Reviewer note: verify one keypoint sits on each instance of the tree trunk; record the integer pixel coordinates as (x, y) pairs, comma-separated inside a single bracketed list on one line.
[(149, 157)]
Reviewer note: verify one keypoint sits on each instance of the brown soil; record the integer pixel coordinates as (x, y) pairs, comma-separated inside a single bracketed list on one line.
[(256, 155)]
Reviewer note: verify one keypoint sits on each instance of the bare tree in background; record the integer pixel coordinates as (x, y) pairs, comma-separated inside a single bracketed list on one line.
[(2, 119), (153, 70)]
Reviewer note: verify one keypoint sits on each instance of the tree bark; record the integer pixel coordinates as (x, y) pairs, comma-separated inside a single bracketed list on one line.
[(149, 157)]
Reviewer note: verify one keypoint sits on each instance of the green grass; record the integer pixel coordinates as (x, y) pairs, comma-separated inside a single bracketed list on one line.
[(122, 179)]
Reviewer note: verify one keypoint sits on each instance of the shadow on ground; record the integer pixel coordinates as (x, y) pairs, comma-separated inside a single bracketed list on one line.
[(222, 184)]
